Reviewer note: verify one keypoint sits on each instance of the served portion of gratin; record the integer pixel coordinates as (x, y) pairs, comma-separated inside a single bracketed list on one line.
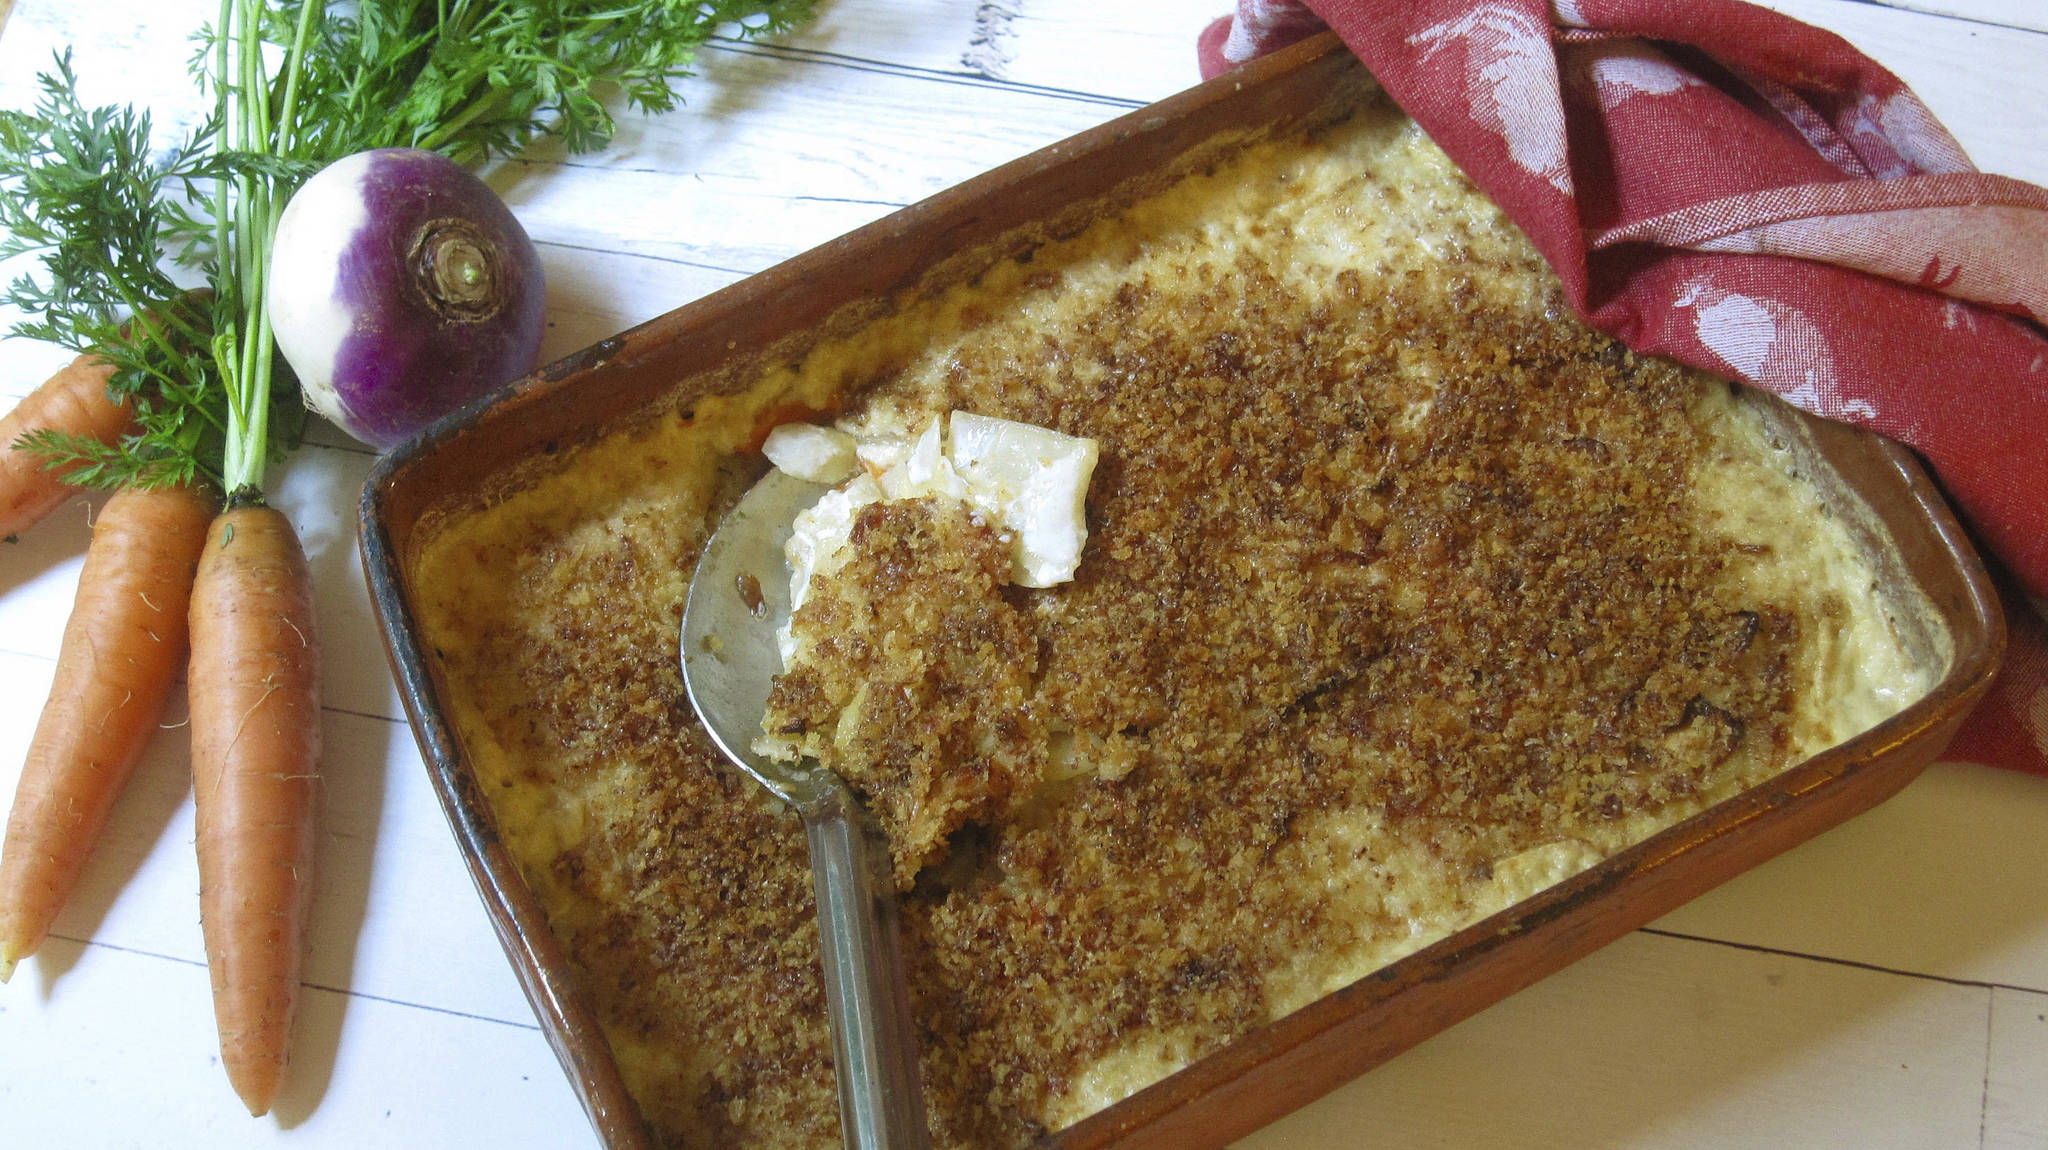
[(1403, 596)]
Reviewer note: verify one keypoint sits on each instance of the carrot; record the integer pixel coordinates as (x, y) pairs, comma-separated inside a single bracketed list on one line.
[(254, 685), (74, 400), (122, 649)]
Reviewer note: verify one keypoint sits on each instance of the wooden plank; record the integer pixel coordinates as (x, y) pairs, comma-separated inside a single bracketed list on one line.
[(594, 294), (392, 901), (2016, 1088), (136, 1070), (1985, 82), (1143, 51), (1950, 878), (806, 149), (1656, 1043), (2029, 14), (1140, 50)]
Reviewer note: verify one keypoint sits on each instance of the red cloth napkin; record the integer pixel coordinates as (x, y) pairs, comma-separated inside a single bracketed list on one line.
[(1748, 194)]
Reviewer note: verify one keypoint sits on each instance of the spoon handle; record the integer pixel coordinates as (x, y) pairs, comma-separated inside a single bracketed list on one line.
[(874, 1042)]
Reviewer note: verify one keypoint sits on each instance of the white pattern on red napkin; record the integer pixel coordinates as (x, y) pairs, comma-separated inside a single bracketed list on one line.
[(1727, 186)]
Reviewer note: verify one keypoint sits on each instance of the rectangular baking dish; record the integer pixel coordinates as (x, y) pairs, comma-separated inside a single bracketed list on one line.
[(719, 343)]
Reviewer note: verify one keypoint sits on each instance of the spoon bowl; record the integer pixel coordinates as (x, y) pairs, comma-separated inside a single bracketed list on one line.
[(738, 600)]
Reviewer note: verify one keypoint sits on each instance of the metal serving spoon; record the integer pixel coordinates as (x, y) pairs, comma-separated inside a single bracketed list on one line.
[(738, 597)]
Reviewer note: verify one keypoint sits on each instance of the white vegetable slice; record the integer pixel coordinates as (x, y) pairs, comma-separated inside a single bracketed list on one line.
[(812, 453), (1032, 481), (1027, 481)]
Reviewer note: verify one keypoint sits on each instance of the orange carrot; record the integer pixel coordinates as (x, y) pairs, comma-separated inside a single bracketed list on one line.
[(122, 650), (74, 400), (254, 685)]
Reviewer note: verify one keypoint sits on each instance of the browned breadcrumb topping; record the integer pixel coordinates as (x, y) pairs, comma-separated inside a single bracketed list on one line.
[(916, 688), (1498, 622), (1493, 619)]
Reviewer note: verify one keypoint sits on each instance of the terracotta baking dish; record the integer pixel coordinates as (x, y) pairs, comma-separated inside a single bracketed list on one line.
[(717, 344)]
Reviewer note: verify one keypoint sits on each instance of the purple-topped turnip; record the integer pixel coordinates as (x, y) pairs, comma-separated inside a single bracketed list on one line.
[(401, 288)]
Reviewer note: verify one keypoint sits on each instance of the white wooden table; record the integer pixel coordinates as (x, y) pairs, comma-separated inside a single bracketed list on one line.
[(1883, 986)]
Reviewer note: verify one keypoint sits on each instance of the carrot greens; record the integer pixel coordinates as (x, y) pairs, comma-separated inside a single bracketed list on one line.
[(80, 187), (124, 228), (478, 80)]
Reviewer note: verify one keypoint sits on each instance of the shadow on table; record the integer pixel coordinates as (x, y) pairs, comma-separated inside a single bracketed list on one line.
[(356, 761), (141, 820), (319, 491), (60, 538)]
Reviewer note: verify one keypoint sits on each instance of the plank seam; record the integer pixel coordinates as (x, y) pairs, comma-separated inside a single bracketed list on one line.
[(1979, 21), (386, 999), (364, 715), (344, 448), (645, 256), (1857, 964)]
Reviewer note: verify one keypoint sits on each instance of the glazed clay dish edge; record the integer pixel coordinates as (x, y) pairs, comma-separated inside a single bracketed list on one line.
[(465, 458)]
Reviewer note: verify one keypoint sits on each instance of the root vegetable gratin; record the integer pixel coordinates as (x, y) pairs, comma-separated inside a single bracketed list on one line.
[(1404, 596)]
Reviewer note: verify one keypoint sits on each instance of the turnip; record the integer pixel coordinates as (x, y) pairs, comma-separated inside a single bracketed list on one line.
[(401, 288)]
